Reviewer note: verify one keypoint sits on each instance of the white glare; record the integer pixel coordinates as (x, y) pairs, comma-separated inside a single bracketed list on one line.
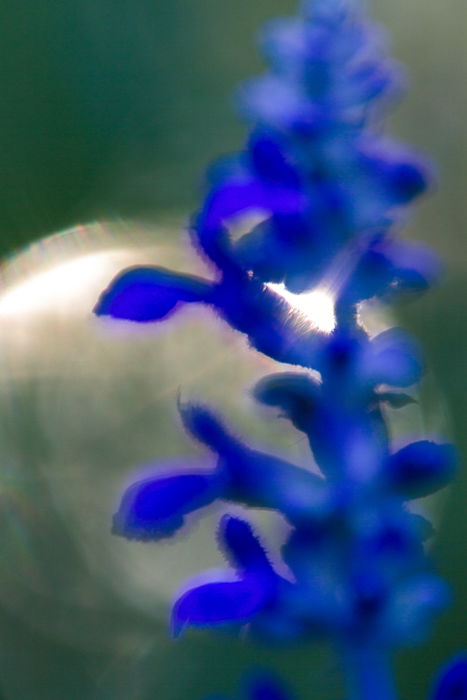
[(317, 306), (60, 285)]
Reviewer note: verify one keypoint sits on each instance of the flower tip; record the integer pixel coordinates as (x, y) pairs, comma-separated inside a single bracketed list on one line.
[(127, 526), (155, 508), (203, 425), (145, 294), (138, 294), (410, 180), (217, 604), (423, 467)]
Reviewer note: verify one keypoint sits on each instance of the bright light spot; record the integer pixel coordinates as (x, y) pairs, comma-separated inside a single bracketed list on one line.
[(317, 306), (62, 286)]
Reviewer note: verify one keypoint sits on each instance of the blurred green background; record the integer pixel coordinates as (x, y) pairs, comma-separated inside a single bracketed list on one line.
[(111, 110)]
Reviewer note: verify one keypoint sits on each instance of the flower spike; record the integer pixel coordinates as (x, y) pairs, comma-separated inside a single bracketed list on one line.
[(310, 203), (230, 602)]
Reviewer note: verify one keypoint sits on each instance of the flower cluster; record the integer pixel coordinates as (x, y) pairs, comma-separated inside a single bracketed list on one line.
[(325, 191)]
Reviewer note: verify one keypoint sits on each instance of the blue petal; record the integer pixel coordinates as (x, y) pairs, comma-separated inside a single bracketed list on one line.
[(255, 478), (204, 425), (451, 683), (249, 194), (277, 248), (248, 556), (392, 358), (145, 294), (217, 603), (372, 276), (340, 356), (231, 198), (410, 613), (422, 468), (275, 100), (297, 395), (389, 268), (265, 481), (270, 160), (155, 507), (398, 171), (270, 322), (284, 40), (416, 266)]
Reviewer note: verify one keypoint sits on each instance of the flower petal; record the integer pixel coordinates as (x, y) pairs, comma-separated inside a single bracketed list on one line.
[(387, 268), (250, 194), (155, 507), (270, 160), (145, 294), (422, 468), (297, 394), (217, 603), (392, 358), (253, 477), (409, 615), (205, 426), (272, 99), (248, 555)]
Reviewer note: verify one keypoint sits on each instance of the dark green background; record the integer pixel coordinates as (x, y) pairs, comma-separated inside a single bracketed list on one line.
[(112, 110)]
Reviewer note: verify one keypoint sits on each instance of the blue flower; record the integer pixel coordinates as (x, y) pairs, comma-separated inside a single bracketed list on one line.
[(232, 601), (421, 468), (320, 65), (146, 294), (156, 506), (325, 190), (385, 268), (150, 294), (351, 429)]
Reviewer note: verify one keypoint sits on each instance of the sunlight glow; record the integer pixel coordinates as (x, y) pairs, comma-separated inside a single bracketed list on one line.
[(317, 306), (62, 284)]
